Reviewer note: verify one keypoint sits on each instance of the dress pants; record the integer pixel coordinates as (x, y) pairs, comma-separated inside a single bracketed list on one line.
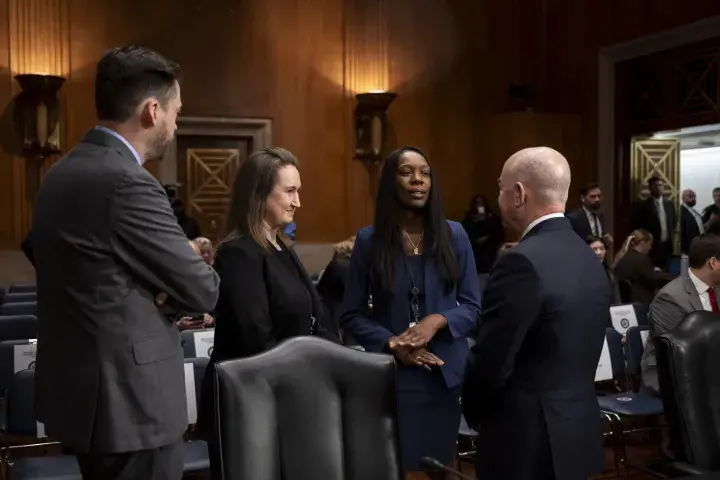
[(163, 463)]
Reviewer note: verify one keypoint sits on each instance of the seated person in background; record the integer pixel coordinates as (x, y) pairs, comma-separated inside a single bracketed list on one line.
[(205, 249), (202, 321), (331, 286), (485, 231), (637, 268), (600, 248), (684, 295)]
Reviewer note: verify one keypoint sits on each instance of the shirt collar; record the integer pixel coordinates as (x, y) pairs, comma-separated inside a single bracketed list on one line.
[(539, 220), (701, 286), (122, 139)]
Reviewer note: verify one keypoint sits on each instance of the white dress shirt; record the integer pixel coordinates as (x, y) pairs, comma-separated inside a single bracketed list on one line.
[(539, 220), (594, 221), (702, 289)]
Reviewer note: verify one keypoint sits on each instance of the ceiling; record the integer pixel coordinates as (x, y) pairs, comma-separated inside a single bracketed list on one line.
[(705, 136)]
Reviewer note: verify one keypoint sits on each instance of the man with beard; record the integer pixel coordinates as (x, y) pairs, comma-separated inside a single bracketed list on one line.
[(112, 263), (691, 222), (588, 220)]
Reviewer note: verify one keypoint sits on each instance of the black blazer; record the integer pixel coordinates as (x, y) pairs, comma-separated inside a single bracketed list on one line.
[(688, 229), (261, 303), (579, 222), (529, 382), (645, 216), (638, 269)]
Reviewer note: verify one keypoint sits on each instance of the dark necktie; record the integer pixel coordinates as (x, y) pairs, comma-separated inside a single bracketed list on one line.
[(713, 300), (597, 226)]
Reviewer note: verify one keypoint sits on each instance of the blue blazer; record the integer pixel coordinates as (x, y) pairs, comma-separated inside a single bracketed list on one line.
[(391, 313)]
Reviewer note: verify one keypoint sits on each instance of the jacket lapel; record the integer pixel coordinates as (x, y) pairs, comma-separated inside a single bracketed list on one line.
[(693, 294)]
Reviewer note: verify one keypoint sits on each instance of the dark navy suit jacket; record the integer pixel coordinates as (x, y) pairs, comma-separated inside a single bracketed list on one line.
[(529, 383), (391, 313)]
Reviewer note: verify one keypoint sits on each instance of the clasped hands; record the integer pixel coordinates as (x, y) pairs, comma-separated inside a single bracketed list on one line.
[(410, 347)]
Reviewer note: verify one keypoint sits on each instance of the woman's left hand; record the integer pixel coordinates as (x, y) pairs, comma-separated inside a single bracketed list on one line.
[(420, 335)]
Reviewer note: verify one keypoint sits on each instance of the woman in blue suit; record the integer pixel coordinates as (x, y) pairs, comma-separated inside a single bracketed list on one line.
[(419, 269)]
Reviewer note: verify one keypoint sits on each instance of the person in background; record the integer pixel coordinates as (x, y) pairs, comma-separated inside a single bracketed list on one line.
[(600, 248), (205, 249), (266, 295), (331, 286), (711, 213), (636, 268), (529, 382), (419, 269), (657, 216), (691, 222), (112, 264), (588, 219), (684, 295), (484, 229), (189, 225)]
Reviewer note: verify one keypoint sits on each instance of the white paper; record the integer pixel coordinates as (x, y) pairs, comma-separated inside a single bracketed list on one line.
[(40, 430), (190, 393), (623, 317), (24, 357), (604, 368), (204, 342), (644, 336)]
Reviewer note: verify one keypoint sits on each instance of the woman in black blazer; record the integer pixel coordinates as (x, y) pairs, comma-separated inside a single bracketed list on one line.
[(266, 295)]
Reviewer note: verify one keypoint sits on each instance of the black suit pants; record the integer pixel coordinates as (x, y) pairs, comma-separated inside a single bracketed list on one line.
[(164, 463)]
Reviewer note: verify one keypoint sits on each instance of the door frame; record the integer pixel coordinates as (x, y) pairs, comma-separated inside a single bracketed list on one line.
[(608, 150), (257, 131)]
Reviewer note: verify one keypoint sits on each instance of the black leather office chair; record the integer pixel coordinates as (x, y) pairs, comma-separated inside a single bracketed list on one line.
[(308, 409), (689, 378)]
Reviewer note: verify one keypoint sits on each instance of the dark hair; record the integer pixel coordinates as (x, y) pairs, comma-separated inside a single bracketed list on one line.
[(702, 249), (590, 239), (387, 240), (653, 180), (715, 190), (254, 182), (585, 189), (486, 204), (126, 76)]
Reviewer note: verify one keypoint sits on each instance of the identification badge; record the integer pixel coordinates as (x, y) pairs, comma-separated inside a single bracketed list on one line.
[(412, 324)]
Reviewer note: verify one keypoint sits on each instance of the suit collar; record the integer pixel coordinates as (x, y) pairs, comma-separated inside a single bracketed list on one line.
[(692, 290), (104, 139), (546, 224)]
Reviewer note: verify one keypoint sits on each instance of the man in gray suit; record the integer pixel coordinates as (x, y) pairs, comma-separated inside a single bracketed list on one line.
[(111, 261), (684, 295)]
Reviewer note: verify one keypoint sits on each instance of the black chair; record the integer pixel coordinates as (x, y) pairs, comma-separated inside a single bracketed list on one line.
[(22, 288), (18, 308), (20, 297), (636, 340), (625, 288), (21, 422), (268, 406), (18, 327), (689, 379)]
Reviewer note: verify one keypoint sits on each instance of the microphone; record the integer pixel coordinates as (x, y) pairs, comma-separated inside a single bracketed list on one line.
[(437, 465)]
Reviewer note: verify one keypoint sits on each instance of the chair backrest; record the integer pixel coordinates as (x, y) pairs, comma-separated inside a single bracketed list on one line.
[(689, 379), (18, 327), (641, 313), (617, 355), (20, 406), (635, 346), (482, 282), (20, 297), (22, 288), (268, 406), (18, 308), (197, 342), (15, 355)]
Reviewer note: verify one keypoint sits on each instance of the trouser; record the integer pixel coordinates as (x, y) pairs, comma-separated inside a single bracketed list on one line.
[(163, 463)]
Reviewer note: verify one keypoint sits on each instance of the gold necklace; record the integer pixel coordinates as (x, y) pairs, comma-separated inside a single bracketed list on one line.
[(416, 248)]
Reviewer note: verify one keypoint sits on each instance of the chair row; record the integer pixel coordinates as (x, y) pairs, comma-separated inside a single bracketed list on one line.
[(18, 297), (21, 422)]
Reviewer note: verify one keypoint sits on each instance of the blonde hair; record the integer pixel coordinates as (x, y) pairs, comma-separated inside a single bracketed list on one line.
[(344, 248)]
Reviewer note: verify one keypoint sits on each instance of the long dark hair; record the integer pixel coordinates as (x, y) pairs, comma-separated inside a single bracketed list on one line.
[(254, 182), (387, 240)]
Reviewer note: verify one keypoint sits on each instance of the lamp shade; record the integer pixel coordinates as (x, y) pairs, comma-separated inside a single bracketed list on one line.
[(37, 114)]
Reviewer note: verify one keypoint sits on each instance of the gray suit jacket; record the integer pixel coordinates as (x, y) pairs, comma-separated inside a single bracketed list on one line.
[(668, 309), (109, 370)]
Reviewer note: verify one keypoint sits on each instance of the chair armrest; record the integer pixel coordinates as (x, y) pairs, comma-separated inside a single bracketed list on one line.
[(683, 467)]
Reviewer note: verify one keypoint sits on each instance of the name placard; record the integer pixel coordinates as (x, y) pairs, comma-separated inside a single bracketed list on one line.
[(623, 317), (204, 342), (604, 368), (190, 394), (24, 359)]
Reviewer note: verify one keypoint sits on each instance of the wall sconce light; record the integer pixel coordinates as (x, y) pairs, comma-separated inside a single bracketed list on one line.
[(37, 122), (37, 114), (371, 125)]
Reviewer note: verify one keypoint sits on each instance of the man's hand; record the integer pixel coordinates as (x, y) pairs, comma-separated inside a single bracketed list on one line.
[(189, 323), (419, 335), (160, 299)]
